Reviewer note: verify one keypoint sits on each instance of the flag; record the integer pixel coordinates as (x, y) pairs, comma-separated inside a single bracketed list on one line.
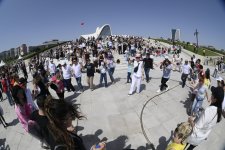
[(82, 23)]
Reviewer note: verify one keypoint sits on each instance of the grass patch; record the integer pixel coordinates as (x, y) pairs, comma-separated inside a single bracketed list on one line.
[(187, 46)]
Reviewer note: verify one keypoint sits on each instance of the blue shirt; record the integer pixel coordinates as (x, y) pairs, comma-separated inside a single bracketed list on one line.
[(167, 71)]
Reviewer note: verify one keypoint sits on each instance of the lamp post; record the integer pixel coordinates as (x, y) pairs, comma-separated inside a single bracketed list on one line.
[(196, 35)]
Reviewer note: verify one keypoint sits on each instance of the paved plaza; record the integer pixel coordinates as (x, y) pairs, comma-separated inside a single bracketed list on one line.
[(113, 115)]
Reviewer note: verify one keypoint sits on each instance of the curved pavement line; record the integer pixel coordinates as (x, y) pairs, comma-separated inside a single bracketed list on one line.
[(141, 117)]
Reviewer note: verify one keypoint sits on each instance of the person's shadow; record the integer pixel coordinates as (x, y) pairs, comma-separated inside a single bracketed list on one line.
[(163, 142), (188, 102), (14, 122), (3, 146)]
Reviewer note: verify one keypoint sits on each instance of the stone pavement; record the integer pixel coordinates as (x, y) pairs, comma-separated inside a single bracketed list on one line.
[(113, 115)]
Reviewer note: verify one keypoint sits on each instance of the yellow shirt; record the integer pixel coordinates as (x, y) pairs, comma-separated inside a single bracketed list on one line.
[(175, 146), (207, 82)]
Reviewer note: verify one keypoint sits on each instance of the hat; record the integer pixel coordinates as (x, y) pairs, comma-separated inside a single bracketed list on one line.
[(22, 80), (217, 93), (137, 55), (219, 79), (166, 57)]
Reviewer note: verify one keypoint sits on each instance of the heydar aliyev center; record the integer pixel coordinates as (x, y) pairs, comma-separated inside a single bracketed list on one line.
[(102, 32)]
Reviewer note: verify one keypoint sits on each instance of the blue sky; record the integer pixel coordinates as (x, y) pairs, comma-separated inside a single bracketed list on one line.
[(34, 21)]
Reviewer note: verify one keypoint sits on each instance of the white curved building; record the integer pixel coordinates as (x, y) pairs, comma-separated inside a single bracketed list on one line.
[(102, 32)]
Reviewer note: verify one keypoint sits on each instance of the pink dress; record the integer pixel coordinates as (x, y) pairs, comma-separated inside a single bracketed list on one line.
[(23, 114)]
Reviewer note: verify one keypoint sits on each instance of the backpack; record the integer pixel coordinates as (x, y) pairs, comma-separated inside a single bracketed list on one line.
[(185, 129)]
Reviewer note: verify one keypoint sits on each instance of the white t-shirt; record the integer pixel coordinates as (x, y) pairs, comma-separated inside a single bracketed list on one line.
[(66, 72), (203, 126), (102, 69), (139, 71), (52, 68), (77, 70), (186, 69)]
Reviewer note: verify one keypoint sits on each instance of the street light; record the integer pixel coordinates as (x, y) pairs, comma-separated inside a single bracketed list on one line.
[(196, 35)]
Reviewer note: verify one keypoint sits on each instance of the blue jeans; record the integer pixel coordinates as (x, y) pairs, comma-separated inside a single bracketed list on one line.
[(147, 70), (9, 97), (79, 83), (103, 76), (111, 71), (129, 77), (196, 105)]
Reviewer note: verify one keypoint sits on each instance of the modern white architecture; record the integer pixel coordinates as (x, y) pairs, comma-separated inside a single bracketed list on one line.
[(102, 32)]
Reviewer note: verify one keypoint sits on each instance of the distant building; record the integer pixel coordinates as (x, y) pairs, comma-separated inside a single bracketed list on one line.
[(17, 51), (12, 52), (23, 49), (175, 34)]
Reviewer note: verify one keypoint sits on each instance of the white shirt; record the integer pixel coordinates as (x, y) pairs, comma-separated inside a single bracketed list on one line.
[(52, 68), (77, 70), (203, 126), (66, 72), (139, 71), (186, 69), (102, 69)]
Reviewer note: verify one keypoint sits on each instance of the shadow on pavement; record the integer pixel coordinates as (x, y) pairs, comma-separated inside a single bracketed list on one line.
[(118, 144), (163, 142), (188, 102), (14, 122), (3, 146)]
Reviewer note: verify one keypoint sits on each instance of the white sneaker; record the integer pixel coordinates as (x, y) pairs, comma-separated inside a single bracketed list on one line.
[(158, 91), (167, 88)]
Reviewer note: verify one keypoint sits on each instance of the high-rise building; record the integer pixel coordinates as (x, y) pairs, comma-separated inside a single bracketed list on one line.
[(12, 52), (23, 49), (175, 34)]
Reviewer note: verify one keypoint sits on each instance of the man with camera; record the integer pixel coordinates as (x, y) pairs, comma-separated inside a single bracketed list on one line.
[(166, 66)]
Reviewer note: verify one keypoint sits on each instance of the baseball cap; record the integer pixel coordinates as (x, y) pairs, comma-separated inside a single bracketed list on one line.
[(218, 93), (166, 57)]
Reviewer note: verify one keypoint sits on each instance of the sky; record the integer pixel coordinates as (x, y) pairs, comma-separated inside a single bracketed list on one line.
[(33, 22)]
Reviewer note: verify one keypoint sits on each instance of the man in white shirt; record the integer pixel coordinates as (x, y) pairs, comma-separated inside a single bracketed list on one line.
[(186, 68), (77, 73), (52, 68), (138, 74), (66, 69)]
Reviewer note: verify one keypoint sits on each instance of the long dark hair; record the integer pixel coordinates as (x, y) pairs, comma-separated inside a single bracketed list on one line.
[(56, 110)]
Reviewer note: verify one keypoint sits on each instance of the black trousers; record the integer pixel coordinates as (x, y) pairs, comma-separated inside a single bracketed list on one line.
[(69, 85), (163, 83), (191, 147), (184, 78), (61, 95)]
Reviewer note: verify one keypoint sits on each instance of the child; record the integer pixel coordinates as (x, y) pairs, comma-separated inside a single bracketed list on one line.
[(130, 70), (181, 133)]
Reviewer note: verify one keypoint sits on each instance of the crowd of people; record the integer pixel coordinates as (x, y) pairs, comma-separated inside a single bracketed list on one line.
[(49, 119)]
